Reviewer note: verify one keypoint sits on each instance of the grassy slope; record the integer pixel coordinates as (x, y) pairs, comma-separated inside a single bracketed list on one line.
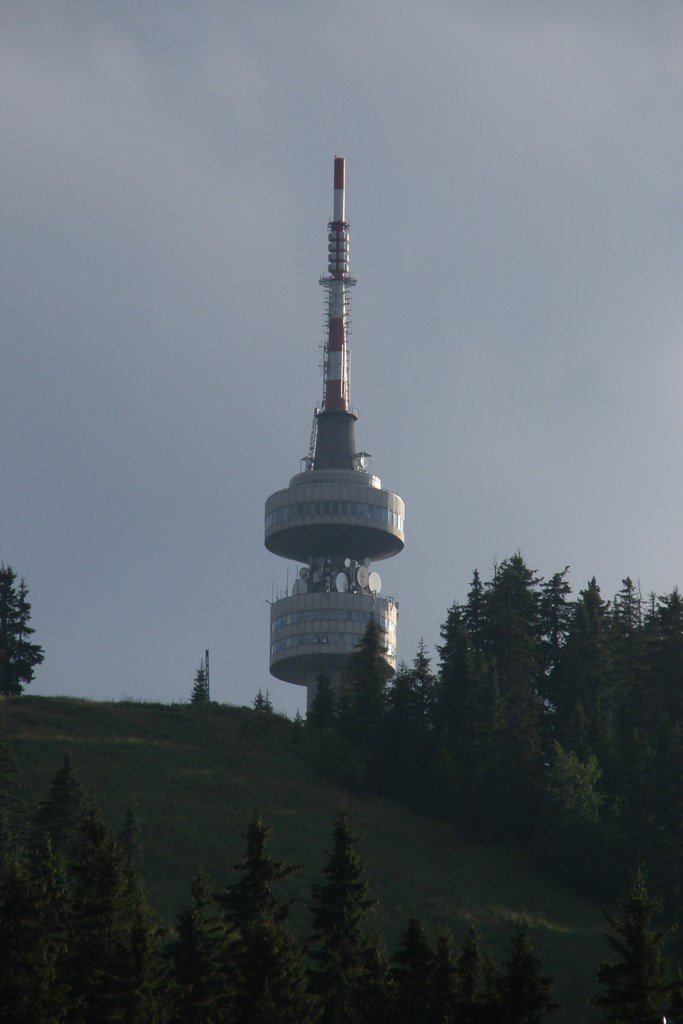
[(196, 774)]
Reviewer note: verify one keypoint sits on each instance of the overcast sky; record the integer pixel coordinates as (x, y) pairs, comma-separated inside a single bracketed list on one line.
[(514, 191)]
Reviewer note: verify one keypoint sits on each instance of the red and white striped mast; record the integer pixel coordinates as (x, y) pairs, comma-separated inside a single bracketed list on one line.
[(336, 356)]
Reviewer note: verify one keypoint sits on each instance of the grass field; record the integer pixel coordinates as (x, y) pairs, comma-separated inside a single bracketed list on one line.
[(196, 774)]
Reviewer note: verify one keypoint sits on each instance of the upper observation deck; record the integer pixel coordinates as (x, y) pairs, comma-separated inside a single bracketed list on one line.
[(334, 512)]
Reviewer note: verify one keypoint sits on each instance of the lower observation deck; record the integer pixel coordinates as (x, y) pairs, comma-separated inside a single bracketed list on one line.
[(334, 512), (318, 631)]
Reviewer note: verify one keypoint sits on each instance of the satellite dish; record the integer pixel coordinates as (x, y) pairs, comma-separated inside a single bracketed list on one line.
[(367, 562), (375, 582), (362, 577), (303, 573), (341, 582), (347, 562)]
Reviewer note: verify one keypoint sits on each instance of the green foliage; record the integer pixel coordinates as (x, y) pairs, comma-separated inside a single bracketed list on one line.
[(200, 983), (200, 690), (323, 711), (636, 987), (18, 655), (262, 703), (267, 966), (59, 815), (412, 974), (523, 994), (338, 943)]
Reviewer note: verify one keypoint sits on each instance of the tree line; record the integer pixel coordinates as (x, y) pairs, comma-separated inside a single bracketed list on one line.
[(551, 722), (79, 942)]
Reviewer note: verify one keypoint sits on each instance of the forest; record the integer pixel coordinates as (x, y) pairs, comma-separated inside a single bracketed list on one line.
[(550, 724)]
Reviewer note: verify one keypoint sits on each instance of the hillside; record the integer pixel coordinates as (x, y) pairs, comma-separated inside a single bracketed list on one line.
[(197, 773)]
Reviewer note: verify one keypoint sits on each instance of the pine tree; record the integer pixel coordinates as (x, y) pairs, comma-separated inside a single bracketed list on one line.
[(636, 990), (267, 964), (512, 632), (524, 994), (99, 924), (376, 993), (12, 809), (412, 976), (18, 655), (339, 910), (364, 686), (33, 911), (60, 813), (262, 703), (476, 997), (129, 839), (445, 981), (200, 690), (199, 984), (323, 710)]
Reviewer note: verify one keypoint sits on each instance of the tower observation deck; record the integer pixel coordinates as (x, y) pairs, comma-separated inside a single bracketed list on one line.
[(334, 518)]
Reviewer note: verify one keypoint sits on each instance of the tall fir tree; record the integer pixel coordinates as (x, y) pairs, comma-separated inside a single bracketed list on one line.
[(412, 977), (200, 975), (524, 994), (266, 962), (364, 686), (200, 690), (445, 981), (18, 654), (636, 988), (338, 943), (322, 714), (60, 813)]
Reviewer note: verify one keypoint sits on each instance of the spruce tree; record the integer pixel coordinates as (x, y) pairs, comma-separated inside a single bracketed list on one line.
[(99, 924), (266, 962), (445, 981), (59, 815), (636, 986), (376, 992), (476, 982), (412, 977), (33, 938), (200, 690), (338, 943), (524, 995), (262, 703), (199, 982), (323, 710), (18, 655), (12, 811), (364, 686)]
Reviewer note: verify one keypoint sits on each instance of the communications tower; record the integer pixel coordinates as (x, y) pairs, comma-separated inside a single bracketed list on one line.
[(334, 518)]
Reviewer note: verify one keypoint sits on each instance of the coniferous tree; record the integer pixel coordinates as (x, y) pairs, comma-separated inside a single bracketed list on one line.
[(364, 686), (129, 840), (323, 710), (18, 655), (512, 631), (445, 981), (476, 998), (266, 962), (199, 972), (262, 703), (60, 813), (33, 908), (12, 809), (99, 925), (200, 690), (339, 911), (636, 987), (524, 995), (376, 991), (412, 977)]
